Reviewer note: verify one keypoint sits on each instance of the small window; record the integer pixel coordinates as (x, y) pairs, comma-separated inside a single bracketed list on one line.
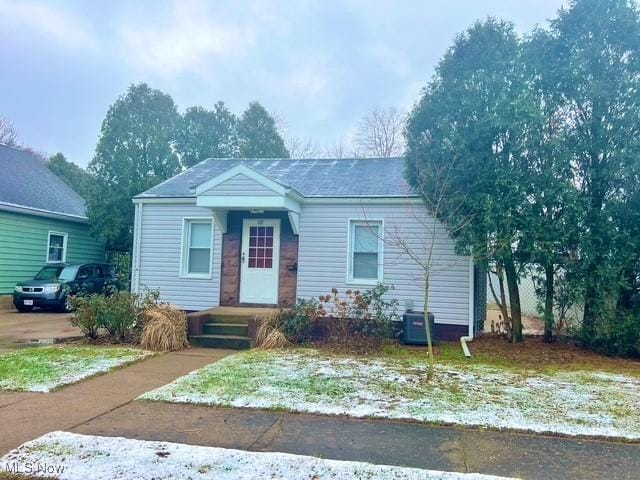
[(196, 260), (365, 258), (57, 247)]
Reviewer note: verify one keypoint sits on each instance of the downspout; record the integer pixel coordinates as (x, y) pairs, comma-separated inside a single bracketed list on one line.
[(135, 261), (469, 337)]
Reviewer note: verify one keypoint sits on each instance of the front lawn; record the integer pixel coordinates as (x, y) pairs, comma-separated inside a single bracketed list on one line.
[(78, 457), (571, 402), (47, 368)]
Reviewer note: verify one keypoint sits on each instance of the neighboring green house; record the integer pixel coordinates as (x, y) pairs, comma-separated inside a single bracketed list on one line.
[(42, 220)]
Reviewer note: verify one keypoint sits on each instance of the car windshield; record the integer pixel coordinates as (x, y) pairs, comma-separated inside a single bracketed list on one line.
[(49, 273), (68, 273), (57, 273)]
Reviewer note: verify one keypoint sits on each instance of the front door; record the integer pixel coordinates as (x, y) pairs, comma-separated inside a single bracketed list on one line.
[(260, 261)]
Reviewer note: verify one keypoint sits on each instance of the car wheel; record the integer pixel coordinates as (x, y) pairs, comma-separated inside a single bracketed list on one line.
[(24, 308), (66, 306)]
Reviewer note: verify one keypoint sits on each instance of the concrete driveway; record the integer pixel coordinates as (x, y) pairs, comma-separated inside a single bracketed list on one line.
[(37, 326)]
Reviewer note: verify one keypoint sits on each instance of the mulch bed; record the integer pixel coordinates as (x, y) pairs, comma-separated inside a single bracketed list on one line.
[(533, 352), (488, 348)]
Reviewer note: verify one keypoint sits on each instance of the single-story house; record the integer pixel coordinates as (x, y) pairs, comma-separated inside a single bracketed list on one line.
[(42, 220), (263, 232)]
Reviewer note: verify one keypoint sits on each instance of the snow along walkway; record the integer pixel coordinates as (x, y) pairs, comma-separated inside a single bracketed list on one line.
[(585, 403), (72, 456)]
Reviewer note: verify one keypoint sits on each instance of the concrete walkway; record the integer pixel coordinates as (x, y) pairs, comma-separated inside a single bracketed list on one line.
[(25, 416), (376, 441)]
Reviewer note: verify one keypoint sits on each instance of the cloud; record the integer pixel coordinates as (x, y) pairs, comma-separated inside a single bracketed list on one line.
[(64, 27), (188, 41)]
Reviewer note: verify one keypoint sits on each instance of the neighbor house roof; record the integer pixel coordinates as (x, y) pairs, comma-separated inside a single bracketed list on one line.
[(28, 186), (354, 177)]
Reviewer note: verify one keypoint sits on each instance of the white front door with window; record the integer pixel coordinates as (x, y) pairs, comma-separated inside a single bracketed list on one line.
[(260, 261)]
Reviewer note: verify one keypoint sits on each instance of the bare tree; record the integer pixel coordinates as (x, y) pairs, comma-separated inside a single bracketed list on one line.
[(8, 134), (302, 147), (337, 149), (421, 245), (380, 133)]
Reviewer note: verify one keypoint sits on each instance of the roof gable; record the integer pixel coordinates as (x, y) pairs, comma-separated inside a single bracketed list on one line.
[(240, 180), (27, 184)]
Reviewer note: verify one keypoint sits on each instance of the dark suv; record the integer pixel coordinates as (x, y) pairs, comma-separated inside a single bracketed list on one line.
[(54, 283)]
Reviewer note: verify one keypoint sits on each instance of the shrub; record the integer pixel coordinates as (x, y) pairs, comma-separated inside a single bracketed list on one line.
[(361, 313), (298, 322), (86, 314), (165, 329), (376, 313), (286, 327), (118, 313), (614, 335)]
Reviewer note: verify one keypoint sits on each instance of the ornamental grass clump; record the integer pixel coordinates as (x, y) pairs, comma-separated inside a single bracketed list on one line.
[(270, 333), (165, 328)]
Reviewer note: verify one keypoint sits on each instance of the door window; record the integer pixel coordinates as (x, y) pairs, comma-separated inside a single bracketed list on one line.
[(260, 247)]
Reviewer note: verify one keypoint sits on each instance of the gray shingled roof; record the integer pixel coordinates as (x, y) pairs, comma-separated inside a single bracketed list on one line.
[(25, 181), (355, 177)]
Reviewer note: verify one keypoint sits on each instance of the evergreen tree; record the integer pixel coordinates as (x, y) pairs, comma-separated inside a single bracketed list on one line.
[(207, 134), (470, 123), (134, 153), (592, 80), (73, 175), (258, 134)]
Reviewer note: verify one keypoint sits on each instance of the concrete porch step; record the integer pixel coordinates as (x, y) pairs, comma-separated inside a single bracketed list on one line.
[(233, 342), (230, 318), (237, 329)]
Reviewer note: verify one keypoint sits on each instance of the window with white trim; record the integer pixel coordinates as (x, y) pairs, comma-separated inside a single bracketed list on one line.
[(56, 247), (365, 251), (196, 254)]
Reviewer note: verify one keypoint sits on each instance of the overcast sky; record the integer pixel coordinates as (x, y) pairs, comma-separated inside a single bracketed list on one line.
[(319, 64)]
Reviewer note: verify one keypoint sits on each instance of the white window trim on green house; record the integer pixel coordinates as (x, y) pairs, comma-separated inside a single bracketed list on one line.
[(353, 250), (50, 247), (187, 247)]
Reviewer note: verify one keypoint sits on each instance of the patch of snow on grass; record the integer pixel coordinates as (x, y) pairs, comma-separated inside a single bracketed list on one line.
[(566, 402), (78, 457), (43, 369)]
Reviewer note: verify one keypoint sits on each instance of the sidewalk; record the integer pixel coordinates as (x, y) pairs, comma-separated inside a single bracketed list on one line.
[(25, 416), (376, 441)]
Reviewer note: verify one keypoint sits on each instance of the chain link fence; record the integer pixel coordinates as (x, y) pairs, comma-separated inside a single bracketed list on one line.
[(532, 322), (567, 308)]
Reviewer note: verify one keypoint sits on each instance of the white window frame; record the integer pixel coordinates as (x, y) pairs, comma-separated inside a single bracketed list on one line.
[(184, 248), (351, 224), (65, 237)]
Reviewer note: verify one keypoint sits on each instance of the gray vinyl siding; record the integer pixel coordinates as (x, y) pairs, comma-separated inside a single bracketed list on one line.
[(323, 247), (240, 185), (159, 245)]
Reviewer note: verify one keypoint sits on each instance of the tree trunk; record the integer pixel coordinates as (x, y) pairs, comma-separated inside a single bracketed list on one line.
[(427, 327), (548, 304), (514, 299)]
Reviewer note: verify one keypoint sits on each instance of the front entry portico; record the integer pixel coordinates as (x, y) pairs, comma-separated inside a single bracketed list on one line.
[(259, 220)]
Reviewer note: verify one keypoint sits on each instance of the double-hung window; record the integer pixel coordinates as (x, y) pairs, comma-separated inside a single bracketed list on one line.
[(365, 252), (196, 248), (56, 247)]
